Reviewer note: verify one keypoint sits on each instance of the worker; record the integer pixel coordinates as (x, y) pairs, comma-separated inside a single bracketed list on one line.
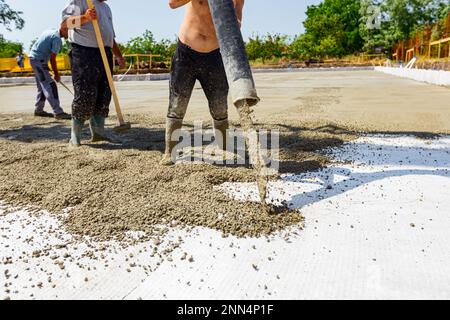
[(20, 59), (197, 57), (92, 91), (45, 49)]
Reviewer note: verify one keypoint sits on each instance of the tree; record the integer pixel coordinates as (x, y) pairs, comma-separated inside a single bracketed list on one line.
[(399, 19), (65, 47), (304, 47), (254, 48), (9, 16), (332, 29), (9, 49), (339, 27), (267, 47)]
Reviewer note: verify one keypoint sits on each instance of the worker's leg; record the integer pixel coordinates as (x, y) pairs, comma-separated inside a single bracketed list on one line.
[(48, 85), (101, 111), (214, 81), (182, 81), (86, 73), (47, 89), (40, 101)]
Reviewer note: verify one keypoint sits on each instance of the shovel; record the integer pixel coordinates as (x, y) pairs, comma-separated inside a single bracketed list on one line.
[(66, 87), (123, 126), (62, 84)]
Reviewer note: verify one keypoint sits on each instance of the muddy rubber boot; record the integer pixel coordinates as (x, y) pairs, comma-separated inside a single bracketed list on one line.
[(171, 126), (77, 128), (221, 134), (97, 126)]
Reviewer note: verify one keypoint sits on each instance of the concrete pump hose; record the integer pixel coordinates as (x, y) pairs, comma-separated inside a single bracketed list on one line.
[(232, 47)]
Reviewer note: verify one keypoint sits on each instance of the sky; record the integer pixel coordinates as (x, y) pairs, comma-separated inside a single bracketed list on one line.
[(132, 18)]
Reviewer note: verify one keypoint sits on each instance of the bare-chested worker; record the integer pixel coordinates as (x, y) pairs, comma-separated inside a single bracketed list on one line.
[(197, 57)]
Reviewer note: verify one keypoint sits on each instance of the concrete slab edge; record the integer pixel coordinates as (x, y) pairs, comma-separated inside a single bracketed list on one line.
[(437, 77)]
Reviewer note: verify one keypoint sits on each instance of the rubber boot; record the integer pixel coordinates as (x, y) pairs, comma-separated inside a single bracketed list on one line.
[(77, 128), (171, 126), (97, 126), (221, 134)]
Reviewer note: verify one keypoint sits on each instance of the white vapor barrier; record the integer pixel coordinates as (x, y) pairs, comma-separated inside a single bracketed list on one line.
[(376, 227), (438, 77)]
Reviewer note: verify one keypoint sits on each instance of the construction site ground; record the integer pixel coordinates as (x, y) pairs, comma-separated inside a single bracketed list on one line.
[(365, 171)]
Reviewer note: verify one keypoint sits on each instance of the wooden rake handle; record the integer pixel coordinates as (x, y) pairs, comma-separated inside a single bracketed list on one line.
[(101, 46)]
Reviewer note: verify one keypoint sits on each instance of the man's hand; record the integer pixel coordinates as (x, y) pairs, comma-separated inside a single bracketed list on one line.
[(121, 62), (54, 65), (90, 14), (57, 77), (175, 4), (118, 54), (78, 21)]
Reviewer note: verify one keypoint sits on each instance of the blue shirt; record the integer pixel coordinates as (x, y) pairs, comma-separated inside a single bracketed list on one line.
[(49, 42)]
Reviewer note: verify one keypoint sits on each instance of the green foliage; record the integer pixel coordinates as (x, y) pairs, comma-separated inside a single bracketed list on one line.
[(147, 44), (400, 19), (303, 47), (65, 47), (332, 29), (9, 49), (267, 47), (9, 16), (341, 27)]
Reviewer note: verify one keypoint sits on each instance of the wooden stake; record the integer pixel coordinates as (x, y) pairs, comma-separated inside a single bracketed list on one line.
[(107, 67)]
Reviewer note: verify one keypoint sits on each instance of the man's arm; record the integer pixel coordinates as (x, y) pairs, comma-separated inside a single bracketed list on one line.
[(77, 21), (55, 49), (54, 65), (239, 7), (118, 54), (175, 4)]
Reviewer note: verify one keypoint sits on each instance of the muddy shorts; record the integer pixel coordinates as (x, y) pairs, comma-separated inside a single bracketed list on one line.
[(187, 67), (92, 92), (46, 87)]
